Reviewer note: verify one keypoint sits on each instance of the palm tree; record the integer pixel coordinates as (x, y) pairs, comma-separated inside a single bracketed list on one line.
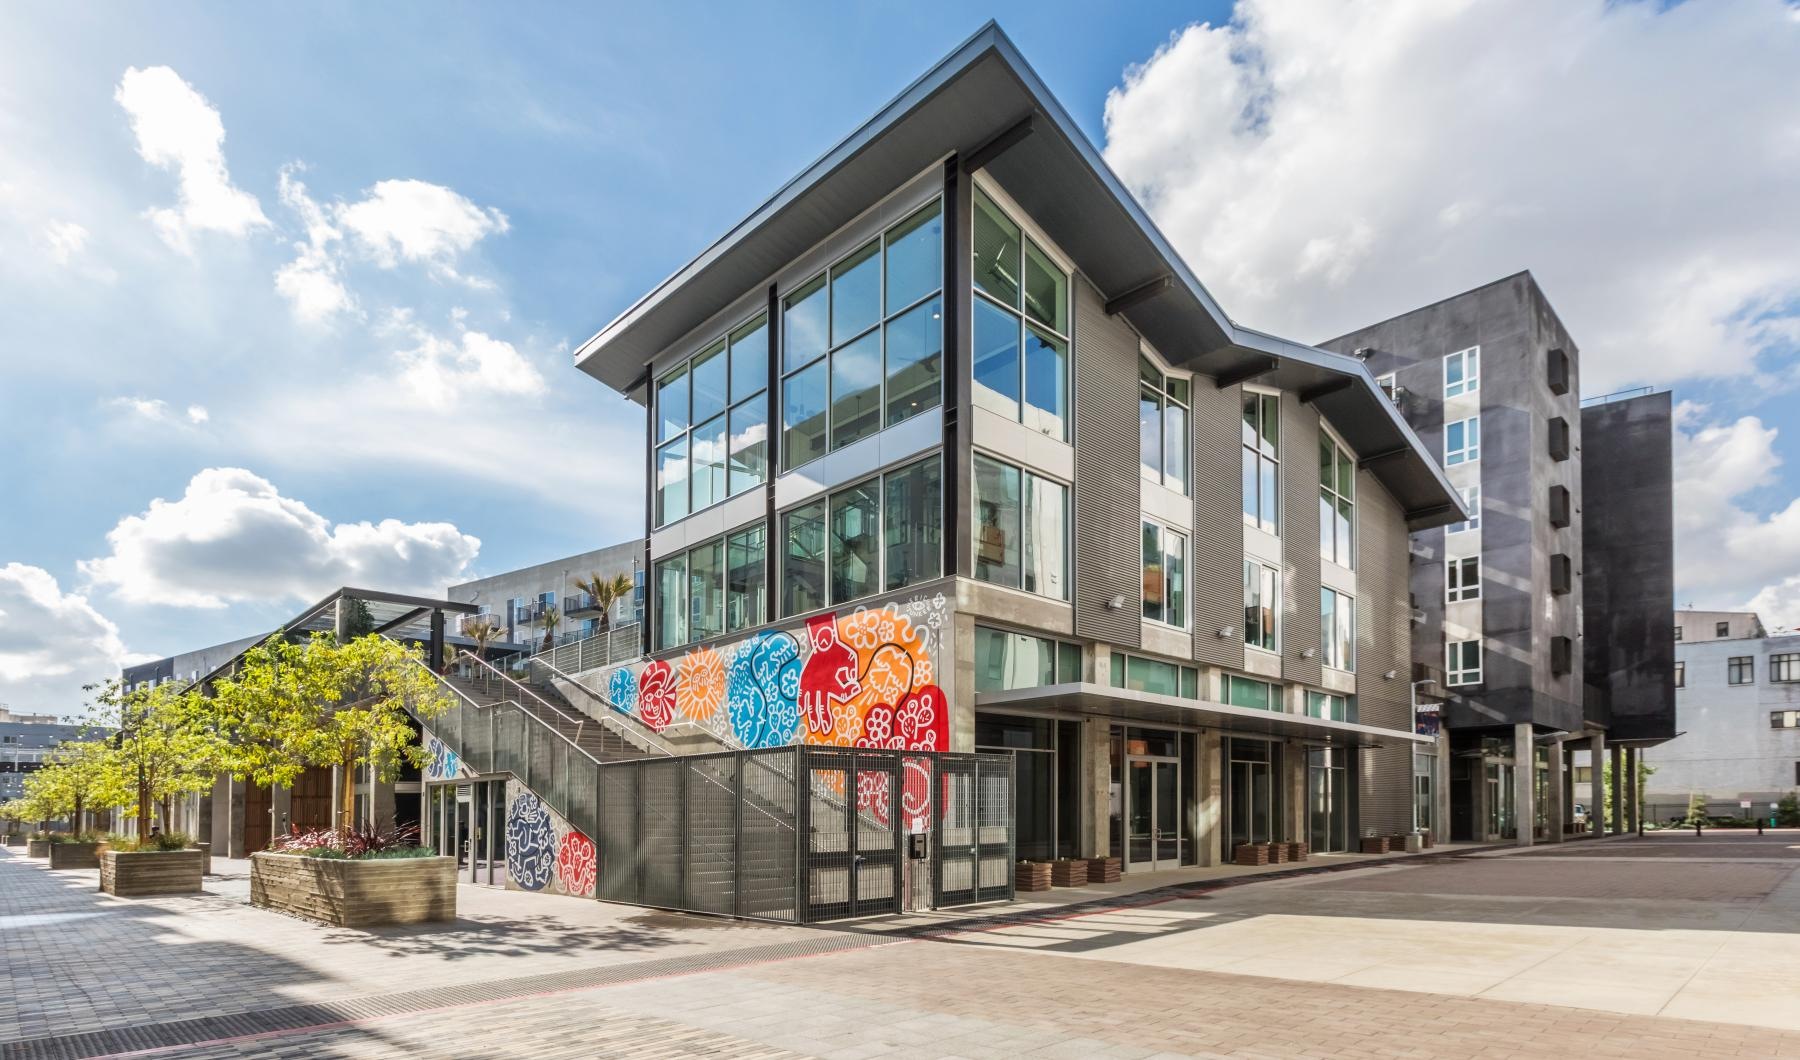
[(606, 592), (550, 620), (483, 631)]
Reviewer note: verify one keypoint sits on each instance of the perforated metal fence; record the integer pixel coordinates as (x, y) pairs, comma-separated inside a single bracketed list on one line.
[(806, 834)]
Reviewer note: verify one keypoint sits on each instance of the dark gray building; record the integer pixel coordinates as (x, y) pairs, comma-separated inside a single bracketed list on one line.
[(1504, 631), (24, 741)]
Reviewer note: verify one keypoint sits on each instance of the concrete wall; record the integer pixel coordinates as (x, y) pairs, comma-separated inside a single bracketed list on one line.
[(1704, 625), (1629, 500), (557, 576), (1727, 750)]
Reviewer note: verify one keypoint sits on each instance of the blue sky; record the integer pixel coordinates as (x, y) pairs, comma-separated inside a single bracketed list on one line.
[(471, 190)]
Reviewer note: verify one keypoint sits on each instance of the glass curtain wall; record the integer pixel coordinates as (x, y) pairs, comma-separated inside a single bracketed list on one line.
[(1046, 776), (1253, 798), (1328, 799)]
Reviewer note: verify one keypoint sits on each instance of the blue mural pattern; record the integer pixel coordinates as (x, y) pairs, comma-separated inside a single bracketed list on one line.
[(530, 843), (622, 691), (762, 690)]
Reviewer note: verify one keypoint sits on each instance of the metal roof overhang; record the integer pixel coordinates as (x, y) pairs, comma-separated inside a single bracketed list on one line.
[(1154, 709), (977, 96)]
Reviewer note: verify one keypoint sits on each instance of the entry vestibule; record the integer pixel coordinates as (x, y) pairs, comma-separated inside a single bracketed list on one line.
[(467, 820)]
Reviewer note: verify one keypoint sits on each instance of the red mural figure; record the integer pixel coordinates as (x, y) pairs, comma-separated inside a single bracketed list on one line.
[(829, 677), (576, 865), (656, 695)]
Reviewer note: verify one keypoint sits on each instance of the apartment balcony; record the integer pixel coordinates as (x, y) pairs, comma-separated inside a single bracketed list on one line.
[(579, 604)]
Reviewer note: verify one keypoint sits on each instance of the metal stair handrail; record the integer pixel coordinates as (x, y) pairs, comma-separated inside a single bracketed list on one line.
[(546, 704), (464, 696), (729, 743)]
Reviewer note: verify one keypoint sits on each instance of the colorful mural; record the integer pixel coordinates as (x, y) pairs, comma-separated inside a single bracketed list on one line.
[(867, 678), (530, 842), (445, 764), (576, 865)]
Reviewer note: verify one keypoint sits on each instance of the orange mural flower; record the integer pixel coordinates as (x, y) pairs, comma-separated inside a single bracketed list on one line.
[(702, 686)]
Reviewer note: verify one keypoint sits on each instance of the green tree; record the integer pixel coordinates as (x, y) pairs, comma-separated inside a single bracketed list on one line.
[(77, 777), (1644, 772), (165, 744), (1787, 811), (606, 593), (483, 631), (550, 620), (293, 706), (1696, 812)]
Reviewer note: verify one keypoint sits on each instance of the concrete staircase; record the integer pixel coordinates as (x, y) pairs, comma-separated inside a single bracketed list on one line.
[(549, 707)]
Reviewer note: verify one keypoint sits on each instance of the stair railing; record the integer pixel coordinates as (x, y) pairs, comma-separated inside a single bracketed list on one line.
[(726, 741), (518, 687)]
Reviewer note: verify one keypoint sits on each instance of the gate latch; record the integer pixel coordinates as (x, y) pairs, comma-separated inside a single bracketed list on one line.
[(915, 846)]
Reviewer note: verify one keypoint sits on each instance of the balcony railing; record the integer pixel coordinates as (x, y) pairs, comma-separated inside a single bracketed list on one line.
[(589, 651)]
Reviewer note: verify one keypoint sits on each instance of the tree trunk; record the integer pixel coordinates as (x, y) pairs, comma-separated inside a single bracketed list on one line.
[(77, 818), (347, 796)]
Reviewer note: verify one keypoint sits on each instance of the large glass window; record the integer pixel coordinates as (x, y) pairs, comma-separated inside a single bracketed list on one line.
[(1262, 606), (1021, 529), (1462, 372), (1462, 441), (1262, 467), (1020, 364), (712, 588), (1784, 668), (1337, 503), (1471, 496), (1165, 575), (1154, 675), (834, 549), (1741, 670), (1337, 629), (1327, 706), (1463, 662), (712, 423), (863, 344), (1463, 578), (1163, 403), (1005, 660), (1244, 692)]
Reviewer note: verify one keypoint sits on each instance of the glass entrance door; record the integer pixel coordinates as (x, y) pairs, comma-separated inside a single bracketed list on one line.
[(1327, 800), (1153, 813)]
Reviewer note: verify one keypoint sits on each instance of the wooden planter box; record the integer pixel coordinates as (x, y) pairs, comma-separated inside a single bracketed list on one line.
[(74, 855), (1103, 870), (1278, 853), (1069, 872), (1297, 851), (37, 848), (1250, 854), (348, 893), (1031, 876), (1426, 841), (1374, 844), (132, 874)]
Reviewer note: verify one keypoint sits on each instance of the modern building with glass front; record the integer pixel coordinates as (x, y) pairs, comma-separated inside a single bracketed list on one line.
[(947, 449)]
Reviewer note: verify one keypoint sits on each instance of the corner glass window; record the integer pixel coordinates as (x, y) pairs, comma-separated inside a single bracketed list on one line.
[(1005, 660), (712, 423), (710, 589), (671, 603), (862, 347), (882, 532), (1020, 365)]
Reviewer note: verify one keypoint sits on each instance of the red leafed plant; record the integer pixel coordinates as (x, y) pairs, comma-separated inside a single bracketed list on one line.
[(400, 841)]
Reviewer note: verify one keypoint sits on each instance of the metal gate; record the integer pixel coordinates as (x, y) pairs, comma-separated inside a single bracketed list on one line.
[(973, 833), (852, 840)]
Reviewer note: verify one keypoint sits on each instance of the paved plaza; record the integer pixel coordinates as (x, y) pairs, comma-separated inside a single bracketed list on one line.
[(1662, 947)]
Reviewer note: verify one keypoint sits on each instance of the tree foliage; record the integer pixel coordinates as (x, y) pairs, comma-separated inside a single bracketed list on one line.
[(165, 744), (76, 778), (606, 592), (293, 706)]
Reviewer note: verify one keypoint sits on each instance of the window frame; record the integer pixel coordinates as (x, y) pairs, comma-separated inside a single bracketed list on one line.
[(1268, 578), (1334, 651), (1471, 496), (1680, 673), (1030, 238), (1149, 361), (1740, 670), (1329, 493), (1166, 612), (885, 317), (721, 344), (1027, 477), (1784, 668), (1722, 630), (684, 609), (1784, 719), (1469, 360), (825, 498), (1187, 675), (1060, 660), (1277, 692), (1457, 586), (1267, 517), (1470, 453), (1459, 676)]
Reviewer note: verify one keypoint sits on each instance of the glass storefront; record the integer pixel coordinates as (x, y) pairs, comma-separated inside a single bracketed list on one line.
[(1150, 798), (467, 820), (1046, 774), (1253, 802), (1328, 799)]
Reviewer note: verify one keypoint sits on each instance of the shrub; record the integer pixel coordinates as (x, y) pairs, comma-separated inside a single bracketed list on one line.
[(162, 841), (354, 843), (76, 837), (1787, 811)]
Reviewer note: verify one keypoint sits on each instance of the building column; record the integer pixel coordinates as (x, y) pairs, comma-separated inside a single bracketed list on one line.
[(1629, 785), (1440, 788), (234, 820), (1096, 787), (1555, 796), (962, 690), (1296, 791), (281, 810), (1524, 784), (1618, 795), (1209, 798), (1596, 762)]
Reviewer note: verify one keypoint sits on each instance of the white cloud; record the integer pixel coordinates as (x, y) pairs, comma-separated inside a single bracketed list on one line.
[(232, 537), (1326, 165), (312, 283), (51, 643), (1727, 555), (156, 410), (418, 222), (442, 371), (65, 240), (178, 129)]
